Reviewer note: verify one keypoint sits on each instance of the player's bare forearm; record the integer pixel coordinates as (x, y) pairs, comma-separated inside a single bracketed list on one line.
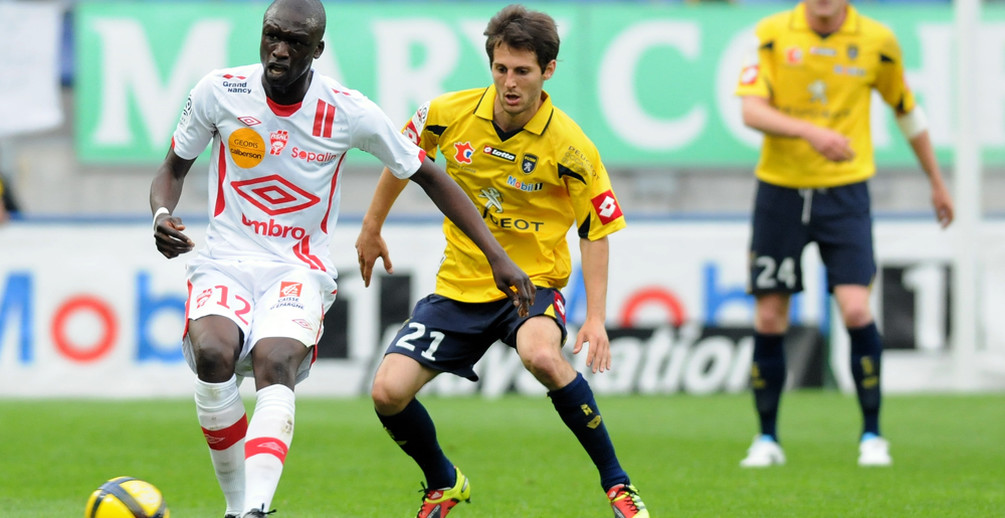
[(388, 189), (759, 114), (369, 244), (596, 258), (165, 191), (942, 201)]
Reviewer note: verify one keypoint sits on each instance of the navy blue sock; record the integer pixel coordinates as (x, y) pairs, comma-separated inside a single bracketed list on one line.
[(866, 350), (767, 378), (413, 430), (578, 409)]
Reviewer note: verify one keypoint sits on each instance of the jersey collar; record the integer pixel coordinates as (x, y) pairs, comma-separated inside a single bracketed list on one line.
[(851, 24), (537, 124)]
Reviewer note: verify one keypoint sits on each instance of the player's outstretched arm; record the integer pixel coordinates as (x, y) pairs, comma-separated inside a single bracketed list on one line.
[(454, 204), (165, 191), (369, 244), (914, 127), (593, 333)]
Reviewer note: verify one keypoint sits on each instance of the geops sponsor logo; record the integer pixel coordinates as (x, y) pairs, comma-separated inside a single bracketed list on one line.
[(247, 148)]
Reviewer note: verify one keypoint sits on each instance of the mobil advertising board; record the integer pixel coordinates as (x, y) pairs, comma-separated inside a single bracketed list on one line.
[(92, 309)]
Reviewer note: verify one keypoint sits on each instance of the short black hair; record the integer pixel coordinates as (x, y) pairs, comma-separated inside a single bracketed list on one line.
[(523, 29), (313, 10)]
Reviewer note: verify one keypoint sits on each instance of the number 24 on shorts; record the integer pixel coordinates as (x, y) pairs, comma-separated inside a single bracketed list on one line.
[(772, 274)]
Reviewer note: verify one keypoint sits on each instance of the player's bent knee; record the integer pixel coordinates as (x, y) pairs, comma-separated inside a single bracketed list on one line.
[(856, 318), (386, 400), (546, 366), (215, 364)]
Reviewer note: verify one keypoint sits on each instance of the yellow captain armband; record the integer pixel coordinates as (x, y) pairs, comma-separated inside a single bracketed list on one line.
[(913, 122)]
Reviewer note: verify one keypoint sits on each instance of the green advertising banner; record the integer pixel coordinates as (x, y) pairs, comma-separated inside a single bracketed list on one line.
[(651, 84)]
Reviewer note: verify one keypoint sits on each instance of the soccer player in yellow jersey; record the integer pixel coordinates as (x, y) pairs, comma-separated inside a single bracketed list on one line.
[(809, 93), (533, 174)]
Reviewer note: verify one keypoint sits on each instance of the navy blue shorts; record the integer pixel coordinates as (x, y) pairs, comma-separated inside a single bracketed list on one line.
[(450, 336), (838, 219)]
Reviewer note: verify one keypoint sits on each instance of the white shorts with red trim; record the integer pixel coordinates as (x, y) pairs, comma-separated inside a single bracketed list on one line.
[(265, 300)]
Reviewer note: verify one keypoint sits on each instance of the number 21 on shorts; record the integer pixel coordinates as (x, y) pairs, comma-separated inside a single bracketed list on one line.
[(419, 332)]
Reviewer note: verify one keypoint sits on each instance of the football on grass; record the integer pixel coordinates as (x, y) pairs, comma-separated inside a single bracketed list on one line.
[(126, 497)]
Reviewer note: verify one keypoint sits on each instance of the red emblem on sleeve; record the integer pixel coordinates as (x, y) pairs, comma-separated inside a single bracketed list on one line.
[(606, 206)]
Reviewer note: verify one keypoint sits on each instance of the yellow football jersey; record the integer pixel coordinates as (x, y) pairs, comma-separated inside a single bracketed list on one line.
[(531, 186), (826, 80)]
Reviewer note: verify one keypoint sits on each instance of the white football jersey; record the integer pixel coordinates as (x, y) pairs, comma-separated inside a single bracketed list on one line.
[(274, 185)]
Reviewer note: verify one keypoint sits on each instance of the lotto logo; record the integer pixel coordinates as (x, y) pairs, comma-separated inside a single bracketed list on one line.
[(411, 133), (607, 207), (559, 305), (290, 289)]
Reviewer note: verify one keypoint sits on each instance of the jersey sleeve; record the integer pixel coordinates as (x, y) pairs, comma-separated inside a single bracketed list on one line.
[(417, 130), (197, 125), (755, 75), (890, 81), (597, 210), (374, 133)]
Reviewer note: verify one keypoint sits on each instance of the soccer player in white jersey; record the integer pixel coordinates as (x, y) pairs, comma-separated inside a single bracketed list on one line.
[(260, 286)]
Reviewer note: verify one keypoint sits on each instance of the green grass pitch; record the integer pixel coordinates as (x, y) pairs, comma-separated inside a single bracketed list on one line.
[(681, 451)]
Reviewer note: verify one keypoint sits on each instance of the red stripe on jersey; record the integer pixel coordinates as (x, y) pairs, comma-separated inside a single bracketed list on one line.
[(226, 437), (220, 174), (317, 337), (331, 193), (184, 331), (324, 118), (422, 156), (319, 118), (267, 446), (303, 250), (329, 121)]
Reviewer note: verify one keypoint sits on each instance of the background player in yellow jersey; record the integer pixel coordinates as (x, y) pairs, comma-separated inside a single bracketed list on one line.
[(534, 174), (809, 93)]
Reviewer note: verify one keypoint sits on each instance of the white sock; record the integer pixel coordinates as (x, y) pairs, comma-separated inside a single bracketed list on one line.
[(224, 423), (269, 436)]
